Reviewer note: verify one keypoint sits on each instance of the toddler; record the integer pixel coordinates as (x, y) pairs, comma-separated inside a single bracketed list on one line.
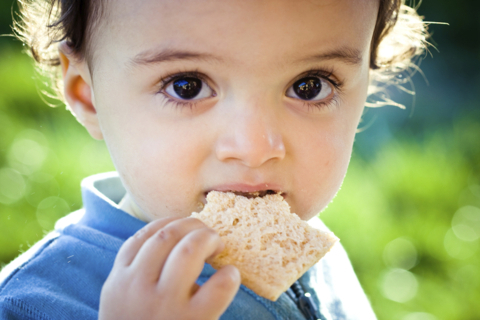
[(192, 96)]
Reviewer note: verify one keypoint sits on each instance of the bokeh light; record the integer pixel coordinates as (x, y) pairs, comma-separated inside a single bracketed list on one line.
[(49, 210), (400, 253), (419, 316), (28, 152), (12, 186), (458, 248), (466, 223), (399, 285)]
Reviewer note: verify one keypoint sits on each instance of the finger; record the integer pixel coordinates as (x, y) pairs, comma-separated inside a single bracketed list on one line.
[(130, 248), (187, 259), (154, 252), (215, 295), (194, 289)]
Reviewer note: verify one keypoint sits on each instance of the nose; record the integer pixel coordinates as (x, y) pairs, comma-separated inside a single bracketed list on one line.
[(251, 136)]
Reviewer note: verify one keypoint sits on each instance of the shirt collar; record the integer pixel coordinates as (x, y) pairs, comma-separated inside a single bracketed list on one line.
[(101, 194)]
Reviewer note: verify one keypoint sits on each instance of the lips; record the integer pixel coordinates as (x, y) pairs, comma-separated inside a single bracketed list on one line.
[(255, 194), (250, 191)]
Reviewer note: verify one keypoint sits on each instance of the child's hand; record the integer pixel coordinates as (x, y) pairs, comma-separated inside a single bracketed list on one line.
[(154, 274)]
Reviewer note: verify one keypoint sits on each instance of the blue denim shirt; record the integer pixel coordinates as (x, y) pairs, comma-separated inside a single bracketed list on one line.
[(61, 276)]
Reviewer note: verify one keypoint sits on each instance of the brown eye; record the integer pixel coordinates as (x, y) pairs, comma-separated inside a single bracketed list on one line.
[(310, 88), (188, 88)]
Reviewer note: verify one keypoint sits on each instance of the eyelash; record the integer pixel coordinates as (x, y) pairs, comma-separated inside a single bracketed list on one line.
[(323, 74), (169, 79), (326, 74)]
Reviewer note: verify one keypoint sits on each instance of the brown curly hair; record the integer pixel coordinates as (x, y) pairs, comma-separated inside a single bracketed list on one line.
[(399, 37)]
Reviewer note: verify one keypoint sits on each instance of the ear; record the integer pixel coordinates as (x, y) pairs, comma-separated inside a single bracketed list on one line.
[(78, 90)]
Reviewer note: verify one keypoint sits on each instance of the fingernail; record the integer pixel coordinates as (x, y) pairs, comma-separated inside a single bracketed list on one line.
[(235, 274)]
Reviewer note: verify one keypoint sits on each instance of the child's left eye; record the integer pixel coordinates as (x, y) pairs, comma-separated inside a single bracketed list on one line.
[(188, 88), (311, 89)]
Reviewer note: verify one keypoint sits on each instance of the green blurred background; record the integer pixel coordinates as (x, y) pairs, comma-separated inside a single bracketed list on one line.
[(408, 212)]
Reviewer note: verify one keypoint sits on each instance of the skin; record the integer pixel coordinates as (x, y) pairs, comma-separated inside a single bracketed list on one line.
[(248, 133)]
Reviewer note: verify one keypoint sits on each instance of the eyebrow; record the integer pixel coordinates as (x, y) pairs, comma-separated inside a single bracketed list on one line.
[(148, 57), (345, 54)]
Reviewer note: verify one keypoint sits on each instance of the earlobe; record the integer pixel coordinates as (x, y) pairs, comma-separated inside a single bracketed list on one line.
[(78, 91)]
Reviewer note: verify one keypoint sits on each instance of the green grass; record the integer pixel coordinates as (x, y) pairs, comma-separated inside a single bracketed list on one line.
[(393, 214)]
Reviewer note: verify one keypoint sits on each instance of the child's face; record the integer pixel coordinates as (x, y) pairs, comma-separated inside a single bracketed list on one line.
[(231, 113)]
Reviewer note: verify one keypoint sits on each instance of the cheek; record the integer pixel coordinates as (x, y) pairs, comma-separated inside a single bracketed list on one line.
[(160, 172), (324, 161), (157, 158), (330, 161), (161, 150), (323, 153), (318, 184)]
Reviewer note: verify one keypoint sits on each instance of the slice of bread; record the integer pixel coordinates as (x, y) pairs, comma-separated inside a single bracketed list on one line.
[(270, 246)]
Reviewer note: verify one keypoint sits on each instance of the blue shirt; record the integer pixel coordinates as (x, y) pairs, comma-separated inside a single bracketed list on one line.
[(61, 276)]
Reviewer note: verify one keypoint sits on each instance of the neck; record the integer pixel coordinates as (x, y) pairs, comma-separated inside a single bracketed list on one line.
[(129, 206)]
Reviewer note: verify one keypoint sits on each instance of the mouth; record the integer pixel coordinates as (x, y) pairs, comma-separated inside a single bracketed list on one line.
[(249, 191), (252, 194)]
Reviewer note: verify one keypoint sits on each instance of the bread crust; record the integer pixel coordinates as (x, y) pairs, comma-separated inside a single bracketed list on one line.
[(270, 246)]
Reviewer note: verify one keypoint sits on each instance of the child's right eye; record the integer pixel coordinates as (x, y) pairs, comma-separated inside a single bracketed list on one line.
[(188, 88)]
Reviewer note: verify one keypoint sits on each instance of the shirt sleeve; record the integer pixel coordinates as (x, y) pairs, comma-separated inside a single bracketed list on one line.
[(14, 309)]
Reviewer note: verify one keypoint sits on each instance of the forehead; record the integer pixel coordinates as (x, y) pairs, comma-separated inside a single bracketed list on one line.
[(236, 30)]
